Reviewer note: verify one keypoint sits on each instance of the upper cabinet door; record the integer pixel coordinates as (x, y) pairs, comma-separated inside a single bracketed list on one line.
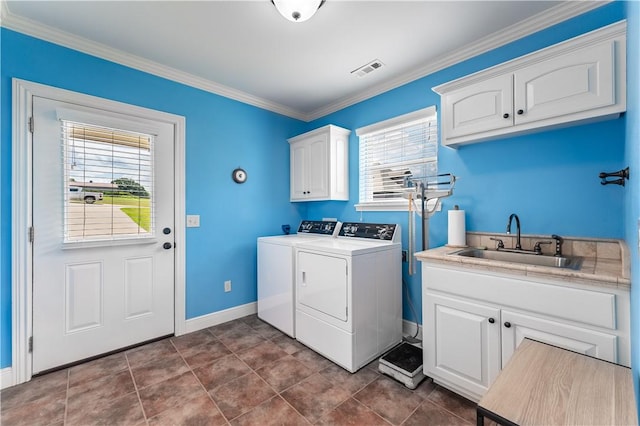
[(578, 81), (480, 107), (298, 171), (318, 166)]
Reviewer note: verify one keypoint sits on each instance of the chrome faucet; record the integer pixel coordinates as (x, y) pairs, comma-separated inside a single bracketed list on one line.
[(513, 215)]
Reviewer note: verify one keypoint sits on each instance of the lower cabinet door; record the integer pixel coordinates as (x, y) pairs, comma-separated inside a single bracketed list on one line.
[(462, 343), (517, 326)]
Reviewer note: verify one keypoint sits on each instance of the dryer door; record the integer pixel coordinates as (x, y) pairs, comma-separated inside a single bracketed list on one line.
[(322, 283)]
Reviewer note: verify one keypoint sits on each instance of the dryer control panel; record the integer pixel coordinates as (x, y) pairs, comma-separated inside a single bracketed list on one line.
[(372, 231), (321, 227)]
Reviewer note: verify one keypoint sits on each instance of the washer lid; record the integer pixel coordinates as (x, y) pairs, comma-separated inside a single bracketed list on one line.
[(293, 239), (347, 246)]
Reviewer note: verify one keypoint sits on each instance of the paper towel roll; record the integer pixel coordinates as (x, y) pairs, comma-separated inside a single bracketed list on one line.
[(457, 232)]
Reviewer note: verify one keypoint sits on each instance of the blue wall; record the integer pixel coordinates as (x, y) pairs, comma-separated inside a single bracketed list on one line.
[(549, 179), (632, 159), (221, 134)]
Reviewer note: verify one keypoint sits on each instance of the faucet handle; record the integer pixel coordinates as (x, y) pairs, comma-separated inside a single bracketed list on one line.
[(500, 243), (537, 249), (558, 244)]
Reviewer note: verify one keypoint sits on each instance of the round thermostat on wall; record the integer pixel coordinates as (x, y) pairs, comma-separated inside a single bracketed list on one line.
[(239, 175)]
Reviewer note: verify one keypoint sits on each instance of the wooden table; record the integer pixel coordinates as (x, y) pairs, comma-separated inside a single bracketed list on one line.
[(547, 385)]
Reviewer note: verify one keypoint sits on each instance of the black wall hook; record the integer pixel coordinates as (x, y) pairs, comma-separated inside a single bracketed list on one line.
[(621, 174)]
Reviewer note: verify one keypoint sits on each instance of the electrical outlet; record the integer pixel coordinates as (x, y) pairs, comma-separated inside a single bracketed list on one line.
[(193, 220), (227, 286)]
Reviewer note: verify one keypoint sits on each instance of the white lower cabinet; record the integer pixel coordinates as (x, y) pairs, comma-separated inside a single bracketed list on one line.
[(516, 326), (462, 345), (474, 321)]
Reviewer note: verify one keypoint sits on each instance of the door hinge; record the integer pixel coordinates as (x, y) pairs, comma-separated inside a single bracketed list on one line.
[(31, 344), (31, 234), (30, 124)]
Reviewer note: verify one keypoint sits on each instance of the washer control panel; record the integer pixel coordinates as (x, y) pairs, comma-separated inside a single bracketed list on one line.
[(318, 227), (372, 231)]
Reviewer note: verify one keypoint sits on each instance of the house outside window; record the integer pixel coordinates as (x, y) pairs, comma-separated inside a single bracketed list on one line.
[(393, 154)]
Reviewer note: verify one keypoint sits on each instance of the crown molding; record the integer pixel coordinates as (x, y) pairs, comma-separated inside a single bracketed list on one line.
[(541, 21), (54, 35), (514, 32)]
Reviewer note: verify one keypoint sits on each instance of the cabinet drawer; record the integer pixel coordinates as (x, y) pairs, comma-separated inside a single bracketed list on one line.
[(585, 306)]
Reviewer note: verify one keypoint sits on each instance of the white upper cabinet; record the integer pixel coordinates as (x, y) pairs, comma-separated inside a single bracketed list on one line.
[(479, 108), (579, 80), (320, 165)]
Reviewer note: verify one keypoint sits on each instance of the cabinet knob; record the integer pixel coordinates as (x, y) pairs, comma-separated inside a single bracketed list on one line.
[(505, 115), (491, 320), (507, 324), (520, 112)]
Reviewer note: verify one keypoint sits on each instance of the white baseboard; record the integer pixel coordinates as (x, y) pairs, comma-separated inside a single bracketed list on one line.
[(215, 318), (6, 378), (409, 329)]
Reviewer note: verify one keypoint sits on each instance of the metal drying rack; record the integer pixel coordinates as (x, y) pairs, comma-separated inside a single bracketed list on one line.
[(429, 188)]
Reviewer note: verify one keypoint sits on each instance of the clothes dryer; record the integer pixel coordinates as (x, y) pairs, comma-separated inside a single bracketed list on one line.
[(349, 293), (276, 272)]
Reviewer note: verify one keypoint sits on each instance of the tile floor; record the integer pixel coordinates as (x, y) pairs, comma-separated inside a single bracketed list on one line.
[(243, 372)]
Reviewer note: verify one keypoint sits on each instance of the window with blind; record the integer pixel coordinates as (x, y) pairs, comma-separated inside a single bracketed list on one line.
[(108, 183), (393, 152)]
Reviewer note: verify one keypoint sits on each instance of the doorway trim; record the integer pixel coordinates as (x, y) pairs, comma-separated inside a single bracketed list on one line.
[(22, 205)]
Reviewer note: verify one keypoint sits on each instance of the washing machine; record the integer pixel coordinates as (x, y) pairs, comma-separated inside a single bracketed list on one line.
[(276, 272), (349, 293)]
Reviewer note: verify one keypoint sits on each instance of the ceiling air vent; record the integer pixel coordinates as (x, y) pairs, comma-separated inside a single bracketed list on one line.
[(368, 68)]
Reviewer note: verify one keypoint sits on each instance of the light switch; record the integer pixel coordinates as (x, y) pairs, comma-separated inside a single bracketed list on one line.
[(193, 220)]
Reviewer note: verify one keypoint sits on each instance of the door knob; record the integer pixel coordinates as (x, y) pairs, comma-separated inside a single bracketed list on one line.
[(167, 246)]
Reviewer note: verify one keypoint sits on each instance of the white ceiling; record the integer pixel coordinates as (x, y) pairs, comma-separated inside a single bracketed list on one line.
[(247, 51)]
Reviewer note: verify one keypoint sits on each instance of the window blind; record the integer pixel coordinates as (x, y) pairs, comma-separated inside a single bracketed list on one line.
[(394, 151), (108, 183)]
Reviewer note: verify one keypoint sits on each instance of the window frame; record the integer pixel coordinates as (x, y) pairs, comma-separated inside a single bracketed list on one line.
[(394, 204)]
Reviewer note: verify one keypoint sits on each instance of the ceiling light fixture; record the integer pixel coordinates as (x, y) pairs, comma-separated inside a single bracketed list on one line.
[(297, 10)]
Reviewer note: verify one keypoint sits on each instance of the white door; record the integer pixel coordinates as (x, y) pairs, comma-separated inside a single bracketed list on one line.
[(516, 327), (317, 163), (298, 171), (462, 343), (577, 81), (482, 107), (103, 269), (323, 284)]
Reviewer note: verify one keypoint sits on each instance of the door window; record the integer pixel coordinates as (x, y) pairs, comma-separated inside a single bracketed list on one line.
[(108, 183)]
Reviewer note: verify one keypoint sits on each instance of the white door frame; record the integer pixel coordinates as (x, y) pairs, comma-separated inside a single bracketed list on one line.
[(22, 220)]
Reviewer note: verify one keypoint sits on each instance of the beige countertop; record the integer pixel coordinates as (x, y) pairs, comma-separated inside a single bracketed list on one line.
[(605, 262)]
